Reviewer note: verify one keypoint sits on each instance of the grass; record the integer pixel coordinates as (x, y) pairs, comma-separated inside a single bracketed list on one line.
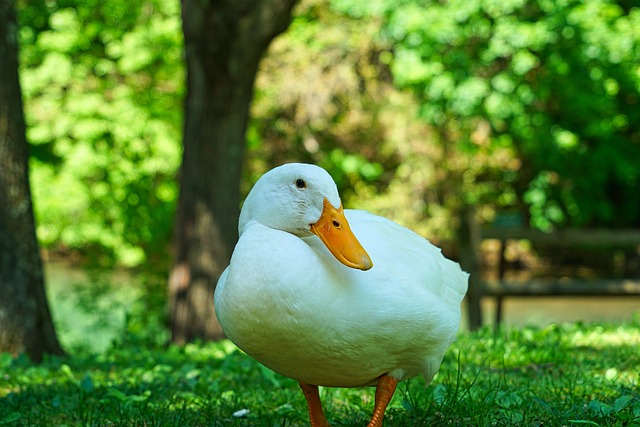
[(561, 375)]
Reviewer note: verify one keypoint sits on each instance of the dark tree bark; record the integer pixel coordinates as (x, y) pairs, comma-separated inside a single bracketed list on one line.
[(224, 42), (25, 320)]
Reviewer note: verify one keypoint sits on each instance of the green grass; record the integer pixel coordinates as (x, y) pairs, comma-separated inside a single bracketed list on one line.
[(569, 375)]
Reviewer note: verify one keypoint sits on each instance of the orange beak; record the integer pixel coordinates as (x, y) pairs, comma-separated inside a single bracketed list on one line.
[(334, 231)]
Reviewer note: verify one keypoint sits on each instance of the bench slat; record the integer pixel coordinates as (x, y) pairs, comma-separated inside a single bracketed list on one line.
[(563, 286), (566, 237)]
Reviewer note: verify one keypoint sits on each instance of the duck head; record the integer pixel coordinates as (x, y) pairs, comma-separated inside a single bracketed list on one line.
[(302, 199)]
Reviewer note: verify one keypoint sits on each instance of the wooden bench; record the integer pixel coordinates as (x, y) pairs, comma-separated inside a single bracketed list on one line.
[(471, 236)]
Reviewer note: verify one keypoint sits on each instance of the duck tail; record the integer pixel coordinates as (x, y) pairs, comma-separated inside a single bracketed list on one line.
[(456, 282)]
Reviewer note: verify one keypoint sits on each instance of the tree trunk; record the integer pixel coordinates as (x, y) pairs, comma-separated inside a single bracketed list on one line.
[(224, 41), (25, 321)]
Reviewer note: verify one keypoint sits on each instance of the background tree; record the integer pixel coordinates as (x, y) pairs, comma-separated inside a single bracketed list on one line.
[(24, 312), (224, 42)]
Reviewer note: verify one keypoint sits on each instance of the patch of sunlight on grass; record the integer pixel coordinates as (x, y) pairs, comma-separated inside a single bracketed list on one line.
[(217, 350), (600, 337)]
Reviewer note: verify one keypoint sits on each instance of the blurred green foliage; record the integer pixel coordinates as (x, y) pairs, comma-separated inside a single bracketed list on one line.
[(103, 87), (414, 106), (554, 83)]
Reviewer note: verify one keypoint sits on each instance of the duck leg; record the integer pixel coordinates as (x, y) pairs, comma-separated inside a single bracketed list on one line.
[(315, 406), (384, 392)]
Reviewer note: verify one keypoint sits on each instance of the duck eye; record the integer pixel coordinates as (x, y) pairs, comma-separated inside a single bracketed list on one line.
[(300, 183), (336, 224)]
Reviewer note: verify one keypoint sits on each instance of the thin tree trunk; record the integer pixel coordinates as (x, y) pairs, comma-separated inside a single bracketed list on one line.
[(25, 320), (224, 42)]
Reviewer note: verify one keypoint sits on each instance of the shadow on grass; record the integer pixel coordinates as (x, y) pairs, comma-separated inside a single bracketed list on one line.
[(190, 386)]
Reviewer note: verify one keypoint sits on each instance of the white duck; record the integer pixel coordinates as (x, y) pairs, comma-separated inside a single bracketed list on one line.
[(303, 297)]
